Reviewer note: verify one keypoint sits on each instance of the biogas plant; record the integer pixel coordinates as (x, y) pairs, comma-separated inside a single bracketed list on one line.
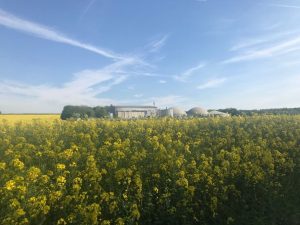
[(130, 112)]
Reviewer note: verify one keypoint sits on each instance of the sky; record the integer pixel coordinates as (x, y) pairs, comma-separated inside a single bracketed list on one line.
[(209, 53)]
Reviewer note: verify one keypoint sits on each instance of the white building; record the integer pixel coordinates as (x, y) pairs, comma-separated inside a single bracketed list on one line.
[(129, 112)]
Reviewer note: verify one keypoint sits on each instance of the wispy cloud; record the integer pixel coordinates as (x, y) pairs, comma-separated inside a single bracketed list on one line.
[(189, 72), (212, 83), (87, 8), (162, 81), (10, 21), (163, 101), (84, 88), (279, 48), (256, 42), (138, 95), (285, 6), (156, 45), (247, 43)]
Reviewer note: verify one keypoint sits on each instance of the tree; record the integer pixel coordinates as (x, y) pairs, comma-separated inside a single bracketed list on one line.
[(101, 112), (82, 112)]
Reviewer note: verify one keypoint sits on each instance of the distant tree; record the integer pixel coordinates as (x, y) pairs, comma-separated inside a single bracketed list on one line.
[(101, 112), (253, 112), (82, 112)]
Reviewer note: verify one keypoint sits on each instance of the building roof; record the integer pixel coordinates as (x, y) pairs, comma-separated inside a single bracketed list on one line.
[(178, 111), (197, 111), (137, 106)]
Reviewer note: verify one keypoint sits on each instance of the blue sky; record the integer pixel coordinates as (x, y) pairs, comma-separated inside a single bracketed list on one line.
[(210, 53)]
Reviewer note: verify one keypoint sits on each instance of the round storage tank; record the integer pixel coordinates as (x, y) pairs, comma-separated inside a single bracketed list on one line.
[(178, 112), (197, 111), (218, 113)]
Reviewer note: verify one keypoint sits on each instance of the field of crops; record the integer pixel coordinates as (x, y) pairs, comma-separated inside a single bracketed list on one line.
[(15, 118), (162, 171)]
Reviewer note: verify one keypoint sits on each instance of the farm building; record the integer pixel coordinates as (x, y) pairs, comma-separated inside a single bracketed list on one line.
[(129, 112)]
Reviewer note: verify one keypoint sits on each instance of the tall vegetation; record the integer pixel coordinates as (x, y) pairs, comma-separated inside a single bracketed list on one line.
[(198, 171), (84, 112)]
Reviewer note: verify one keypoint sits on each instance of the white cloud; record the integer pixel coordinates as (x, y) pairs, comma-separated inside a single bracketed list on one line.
[(189, 72), (256, 42), (138, 95), (285, 6), (84, 89), (156, 45), (280, 48), (162, 81), (212, 83), (87, 8), (10, 21), (247, 43)]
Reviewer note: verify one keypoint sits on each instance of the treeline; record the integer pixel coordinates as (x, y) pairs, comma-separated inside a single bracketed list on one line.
[(253, 112), (84, 112)]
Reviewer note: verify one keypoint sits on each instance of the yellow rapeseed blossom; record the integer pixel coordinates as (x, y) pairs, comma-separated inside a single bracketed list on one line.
[(120, 221), (60, 166), (33, 173), (68, 153), (61, 181), (18, 164), (20, 212), (61, 221), (10, 185), (45, 179), (2, 165), (73, 164)]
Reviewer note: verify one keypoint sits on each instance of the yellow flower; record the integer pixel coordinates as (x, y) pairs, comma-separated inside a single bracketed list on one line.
[(61, 221), (135, 213), (2, 165), (60, 166), (125, 196), (33, 173), (18, 164), (61, 181), (44, 179), (10, 185), (20, 212), (68, 153), (22, 189), (120, 221), (73, 164)]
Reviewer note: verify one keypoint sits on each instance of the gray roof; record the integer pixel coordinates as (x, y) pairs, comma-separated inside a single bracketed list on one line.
[(178, 111), (137, 106), (197, 111)]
